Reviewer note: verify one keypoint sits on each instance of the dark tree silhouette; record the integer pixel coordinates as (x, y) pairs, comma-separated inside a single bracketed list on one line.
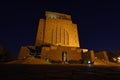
[(5, 55), (111, 56), (118, 52)]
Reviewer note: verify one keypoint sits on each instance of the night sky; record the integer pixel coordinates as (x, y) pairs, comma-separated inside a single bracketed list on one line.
[(98, 22)]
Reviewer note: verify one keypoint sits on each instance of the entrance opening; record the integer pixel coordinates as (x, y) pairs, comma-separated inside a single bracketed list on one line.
[(64, 56)]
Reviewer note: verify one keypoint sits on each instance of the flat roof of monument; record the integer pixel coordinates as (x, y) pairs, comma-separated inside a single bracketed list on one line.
[(57, 14)]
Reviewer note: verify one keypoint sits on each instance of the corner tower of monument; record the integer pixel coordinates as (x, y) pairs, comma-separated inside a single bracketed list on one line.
[(57, 29)]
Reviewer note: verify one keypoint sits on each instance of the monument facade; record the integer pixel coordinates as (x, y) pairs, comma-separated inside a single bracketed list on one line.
[(57, 29), (57, 41)]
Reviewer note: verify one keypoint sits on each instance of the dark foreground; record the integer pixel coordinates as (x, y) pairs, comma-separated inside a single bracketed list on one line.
[(58, 72)]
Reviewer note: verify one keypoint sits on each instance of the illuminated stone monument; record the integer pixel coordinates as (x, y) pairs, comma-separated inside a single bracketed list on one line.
[(56, 41), (57, 29)]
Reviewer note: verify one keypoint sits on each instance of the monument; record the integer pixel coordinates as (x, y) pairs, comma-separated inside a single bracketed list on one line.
[(57, 29), (56, 41)]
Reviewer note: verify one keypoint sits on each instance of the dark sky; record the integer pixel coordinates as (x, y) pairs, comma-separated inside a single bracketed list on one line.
[(98, 22)]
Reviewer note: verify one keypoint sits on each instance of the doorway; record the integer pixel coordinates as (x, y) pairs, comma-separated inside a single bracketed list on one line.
[(64, 56)]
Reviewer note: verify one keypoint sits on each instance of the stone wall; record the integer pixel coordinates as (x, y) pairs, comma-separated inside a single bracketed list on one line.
[(102, 55), (55, 53), (24, 52), (52, 53), (57, 31)]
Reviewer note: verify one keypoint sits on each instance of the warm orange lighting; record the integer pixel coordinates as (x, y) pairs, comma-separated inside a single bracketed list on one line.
[(114, 59), (118, 58)]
